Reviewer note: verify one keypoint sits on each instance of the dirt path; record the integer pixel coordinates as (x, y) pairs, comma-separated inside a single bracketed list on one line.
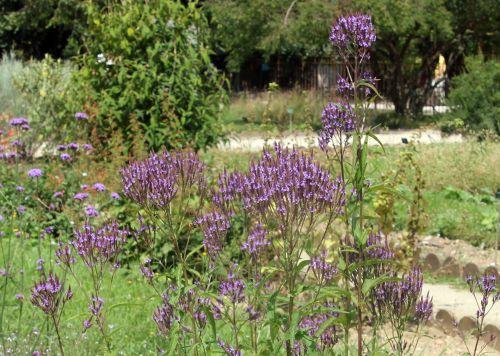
[(255, 142), (459, 302)]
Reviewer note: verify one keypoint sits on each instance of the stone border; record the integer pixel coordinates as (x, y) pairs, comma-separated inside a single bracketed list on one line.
[(466, 325), (451, 268)]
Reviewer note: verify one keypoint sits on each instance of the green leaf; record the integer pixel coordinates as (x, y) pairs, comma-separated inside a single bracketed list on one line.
[(369, 284)]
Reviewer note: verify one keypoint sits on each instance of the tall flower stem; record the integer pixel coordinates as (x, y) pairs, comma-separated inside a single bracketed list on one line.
[(56, 327)]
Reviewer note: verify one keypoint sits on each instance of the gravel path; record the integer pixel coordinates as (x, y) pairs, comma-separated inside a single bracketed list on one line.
[(254, 143), (459, 302)]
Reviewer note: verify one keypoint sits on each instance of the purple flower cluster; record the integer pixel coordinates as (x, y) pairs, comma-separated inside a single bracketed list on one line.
[(81, 116), (49, 295), (402, 298), (423, 309), (256, 242), (81, 196), (18, 121), (35, 173), (228, 349), (164, 316), (284, 184), (233, 288), (353, 31), (376, 249), (91, 212), (64, 256), (214, 226), (65, 157), (486, 285), (323, 271), (154, 182), (346, 89), (99, 187), (99, 245), (313, 324), (146, 270), (338, 121)]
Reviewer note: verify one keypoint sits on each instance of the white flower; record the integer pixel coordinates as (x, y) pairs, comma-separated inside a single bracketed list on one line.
[(101, 58)]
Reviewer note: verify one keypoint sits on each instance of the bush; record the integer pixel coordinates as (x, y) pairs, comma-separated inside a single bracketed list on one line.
[(49, 100), (475, 95), (9, 95), (149, 60)]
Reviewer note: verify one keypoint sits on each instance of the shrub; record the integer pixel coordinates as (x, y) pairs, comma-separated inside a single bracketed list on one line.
[(9, 95), (48, 99), (475, 95), (150, 59)]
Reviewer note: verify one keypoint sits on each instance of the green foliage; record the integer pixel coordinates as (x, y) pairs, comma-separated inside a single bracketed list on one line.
[(49, 100), (411, 34), (280, 27), (35, 28), (10, 100), (149, 59), (475, 95)]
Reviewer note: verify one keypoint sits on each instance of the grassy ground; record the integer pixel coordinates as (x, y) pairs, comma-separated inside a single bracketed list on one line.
[(129, 302), (294, 110)]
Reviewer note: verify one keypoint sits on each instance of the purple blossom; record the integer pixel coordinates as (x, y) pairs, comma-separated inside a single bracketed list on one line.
[(39, 264), (84, 187), (87, 147), (81, 196), (21, 209), (233, 288), (115, 196), (338, 121), (65, 157), (214, 226), (312, 324), (228, 349), (163, 316), (18, 121), (256, 242), (81, 116), (423, 309), (58, 194), (48, 295), (401, 299), (486, 287), (91, 211), (87, 324), (355, 32), (99, 187), (95, 306), (286, 183), (323, 271), (98, 246), (64, 255), (19, 297), (1, 217), (146, 271), (62, 147), (35, 173), (155, 181), (73, 146), (20, 188)]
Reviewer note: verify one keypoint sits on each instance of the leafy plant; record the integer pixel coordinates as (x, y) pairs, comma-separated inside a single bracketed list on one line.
[(475, 95), (150, 60), (49, 99)]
